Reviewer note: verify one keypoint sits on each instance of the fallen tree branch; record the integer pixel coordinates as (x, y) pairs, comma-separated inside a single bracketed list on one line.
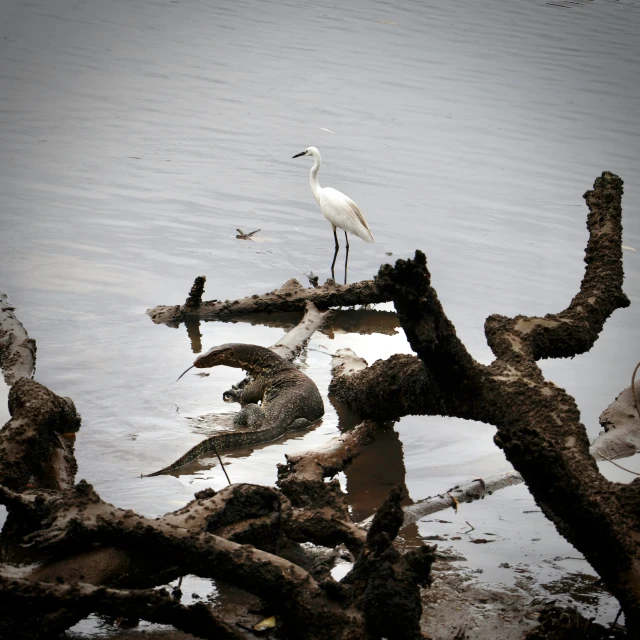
[(292, 296), (290, 345), (388, 389), (320, 513), (81, 535), (538, 424), (17, 349), (291, 591), (242, 513), (474, 490), (329, 459), (387, 574), (574, 330), (326, 610), (430, 332), (82, 599)]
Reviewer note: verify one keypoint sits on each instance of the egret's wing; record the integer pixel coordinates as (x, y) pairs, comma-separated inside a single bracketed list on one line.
[(366, 234), (357, 213), (342, 211)]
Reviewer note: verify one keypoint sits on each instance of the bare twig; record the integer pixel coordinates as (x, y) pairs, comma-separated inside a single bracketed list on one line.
[(221, 464), (470, 525), (617, 465), (474, 490)]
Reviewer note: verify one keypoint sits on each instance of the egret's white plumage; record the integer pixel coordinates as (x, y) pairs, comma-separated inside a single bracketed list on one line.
[(340, 210)]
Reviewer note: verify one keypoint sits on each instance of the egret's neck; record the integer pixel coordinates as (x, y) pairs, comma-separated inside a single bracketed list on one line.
[(316, 189)]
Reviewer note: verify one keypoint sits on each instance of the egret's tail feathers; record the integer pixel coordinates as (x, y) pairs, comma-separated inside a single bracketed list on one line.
[(364, 233)]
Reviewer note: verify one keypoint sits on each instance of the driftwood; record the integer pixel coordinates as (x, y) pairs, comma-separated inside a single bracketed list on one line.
[(621, 424), (95, 557), (290, 345), (17, 350), (475, 490), (292, 296), (538, 424), (250, 536), (345, 363), (69, 525)]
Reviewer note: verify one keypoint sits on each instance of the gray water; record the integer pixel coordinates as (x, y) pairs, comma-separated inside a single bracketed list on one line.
[(136, 136)]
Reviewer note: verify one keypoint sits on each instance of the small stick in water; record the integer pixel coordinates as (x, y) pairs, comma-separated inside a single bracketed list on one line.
[(221, 463)]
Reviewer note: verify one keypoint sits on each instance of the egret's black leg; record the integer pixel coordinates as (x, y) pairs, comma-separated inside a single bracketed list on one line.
[(346, 258), (333, 264), (335, 254)]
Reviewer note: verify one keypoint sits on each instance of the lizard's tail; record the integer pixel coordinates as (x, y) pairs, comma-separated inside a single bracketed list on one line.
[(205, 446)]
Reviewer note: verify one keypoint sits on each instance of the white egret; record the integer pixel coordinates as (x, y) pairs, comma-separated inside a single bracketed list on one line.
[(340, 210)]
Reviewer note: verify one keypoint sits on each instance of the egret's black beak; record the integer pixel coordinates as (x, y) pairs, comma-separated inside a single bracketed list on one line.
[(302, 153), (185, 371)]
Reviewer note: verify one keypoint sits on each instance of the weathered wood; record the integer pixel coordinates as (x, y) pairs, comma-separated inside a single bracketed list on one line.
[(194, 299), (33, 449), (17, 350), (61, 605), (621, 424), (87, 538), (302, 481), (474, 490), (292, 296), (538, 424), (290, 345)]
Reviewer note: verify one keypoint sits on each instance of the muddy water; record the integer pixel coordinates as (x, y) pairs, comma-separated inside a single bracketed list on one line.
[(135, 137)]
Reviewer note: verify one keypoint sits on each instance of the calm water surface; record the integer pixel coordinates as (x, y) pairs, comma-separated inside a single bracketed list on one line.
[(136, 136)]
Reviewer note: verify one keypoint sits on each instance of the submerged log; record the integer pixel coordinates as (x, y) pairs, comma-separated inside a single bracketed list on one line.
[(292, 296)]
